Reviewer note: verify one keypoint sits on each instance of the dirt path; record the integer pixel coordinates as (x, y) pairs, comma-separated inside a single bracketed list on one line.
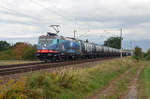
[(110, 87), (132, 93)]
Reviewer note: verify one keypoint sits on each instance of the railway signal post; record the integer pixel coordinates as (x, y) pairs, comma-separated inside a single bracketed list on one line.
[(121, 43), (74, 32)]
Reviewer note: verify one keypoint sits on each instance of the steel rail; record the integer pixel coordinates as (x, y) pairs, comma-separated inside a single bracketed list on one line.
[(32, 67)]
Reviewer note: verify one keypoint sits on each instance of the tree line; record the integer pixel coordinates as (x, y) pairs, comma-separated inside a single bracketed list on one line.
[(138, 54), (25, 51), (18, 51)]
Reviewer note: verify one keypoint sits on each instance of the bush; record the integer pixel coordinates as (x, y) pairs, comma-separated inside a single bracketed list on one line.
[(148, 54), (137, 54), (4, 45), (29, 53), (144, 55), (25, 51), (7, 55), (20, 51)]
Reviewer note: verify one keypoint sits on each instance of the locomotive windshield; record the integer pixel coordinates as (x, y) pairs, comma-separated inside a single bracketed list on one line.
[(48, 43), (42, 41)]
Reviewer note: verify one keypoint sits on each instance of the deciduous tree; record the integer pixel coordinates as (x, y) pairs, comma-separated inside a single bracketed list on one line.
[(19, 49), (114, 42), (4, 45)]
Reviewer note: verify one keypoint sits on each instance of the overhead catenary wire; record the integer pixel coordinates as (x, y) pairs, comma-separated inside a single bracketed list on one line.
[(52, 11), (36, 20), (83, 34), (111, 33), (21, 14), (69, 18), (103, 36), (98, 33), (42, 6), (55, 12), (29, 15)]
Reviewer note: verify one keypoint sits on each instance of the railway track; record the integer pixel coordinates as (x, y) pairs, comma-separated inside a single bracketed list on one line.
[(16, 65), (21, 68)]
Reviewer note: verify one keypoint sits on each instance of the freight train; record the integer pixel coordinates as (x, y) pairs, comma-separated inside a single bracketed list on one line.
[(53, 47)]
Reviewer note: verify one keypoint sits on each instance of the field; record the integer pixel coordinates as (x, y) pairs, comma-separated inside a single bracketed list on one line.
[(108, 80)]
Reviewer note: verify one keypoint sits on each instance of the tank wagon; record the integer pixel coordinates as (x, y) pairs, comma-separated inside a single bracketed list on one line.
[(53, 47)]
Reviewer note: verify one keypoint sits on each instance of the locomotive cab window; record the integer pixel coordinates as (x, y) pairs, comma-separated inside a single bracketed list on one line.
[(42, 41), (50, 41)]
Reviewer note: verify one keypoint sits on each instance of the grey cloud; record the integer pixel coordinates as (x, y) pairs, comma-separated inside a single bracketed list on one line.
[(17, 14), (94, 15), (127, 21)]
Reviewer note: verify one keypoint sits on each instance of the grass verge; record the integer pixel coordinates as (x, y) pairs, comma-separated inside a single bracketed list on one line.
[(72, 84), (144, 83)]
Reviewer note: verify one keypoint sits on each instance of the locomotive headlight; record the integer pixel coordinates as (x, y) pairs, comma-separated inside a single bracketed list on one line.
[(44, 45)]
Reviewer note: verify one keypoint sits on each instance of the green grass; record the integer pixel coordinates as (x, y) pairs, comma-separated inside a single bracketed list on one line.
[(144, 83), (72, 84), (9, 62)]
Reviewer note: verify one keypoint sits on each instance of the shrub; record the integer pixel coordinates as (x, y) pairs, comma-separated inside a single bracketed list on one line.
[(148, 54), (137, 53), (24, 51), (7, 55), (144, 55), (29, 53), (4, 45), (19, 49)]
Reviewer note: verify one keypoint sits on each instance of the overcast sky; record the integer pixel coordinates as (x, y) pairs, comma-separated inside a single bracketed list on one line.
[(96, 20)]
